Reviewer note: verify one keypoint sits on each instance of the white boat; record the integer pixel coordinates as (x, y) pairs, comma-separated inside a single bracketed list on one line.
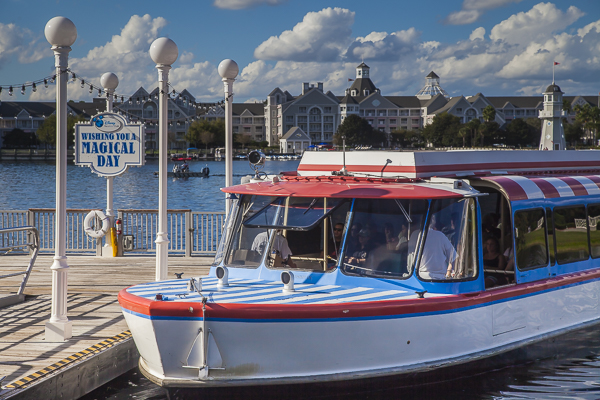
[(413, 291)]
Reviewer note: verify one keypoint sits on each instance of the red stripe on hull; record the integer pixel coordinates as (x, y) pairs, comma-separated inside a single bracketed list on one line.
[(346, 310)]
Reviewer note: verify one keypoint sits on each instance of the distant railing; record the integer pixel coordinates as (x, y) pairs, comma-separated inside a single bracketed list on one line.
[(189, 232), (30, 241)]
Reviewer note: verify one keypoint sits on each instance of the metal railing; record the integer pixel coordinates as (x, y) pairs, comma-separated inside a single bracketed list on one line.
[(15, 240), (189, 232)]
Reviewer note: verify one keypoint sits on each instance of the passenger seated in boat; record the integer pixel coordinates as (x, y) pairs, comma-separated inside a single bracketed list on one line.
[(402, 237), (352, 240), (280, 246), (438, 254), (360, 257), (494, 260), (335, 243), (391, 239)]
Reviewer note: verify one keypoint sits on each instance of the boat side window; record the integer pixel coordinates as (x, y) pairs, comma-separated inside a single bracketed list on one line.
[(551, 238), (243, 248), (594, 222), (450, 248), (570, 231), (530, 239), (380, 240)]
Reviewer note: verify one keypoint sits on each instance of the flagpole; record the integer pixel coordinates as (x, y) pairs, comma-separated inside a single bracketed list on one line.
[(553, 65)]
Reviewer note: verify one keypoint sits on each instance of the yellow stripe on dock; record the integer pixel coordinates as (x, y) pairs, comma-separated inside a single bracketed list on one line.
[(94, 349)]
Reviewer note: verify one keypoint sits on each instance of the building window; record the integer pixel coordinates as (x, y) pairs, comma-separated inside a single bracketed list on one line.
[(393, 121), (382, 122), (459, 110), (302, 110), (327, 110)]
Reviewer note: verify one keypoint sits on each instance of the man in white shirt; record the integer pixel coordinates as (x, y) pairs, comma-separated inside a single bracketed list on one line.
[(438, 255), (280, 244)]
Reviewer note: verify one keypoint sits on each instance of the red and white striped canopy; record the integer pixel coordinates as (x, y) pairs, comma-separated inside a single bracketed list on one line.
[(529, 188)]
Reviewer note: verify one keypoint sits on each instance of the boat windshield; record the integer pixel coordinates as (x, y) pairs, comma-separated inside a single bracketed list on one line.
[(302, 233), (378, 243), (293, 213), (387, 239)]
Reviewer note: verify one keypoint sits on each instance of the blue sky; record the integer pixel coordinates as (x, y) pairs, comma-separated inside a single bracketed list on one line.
[(497, 47)]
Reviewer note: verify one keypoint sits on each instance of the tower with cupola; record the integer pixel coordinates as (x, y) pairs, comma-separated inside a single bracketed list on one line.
[(553, 134)]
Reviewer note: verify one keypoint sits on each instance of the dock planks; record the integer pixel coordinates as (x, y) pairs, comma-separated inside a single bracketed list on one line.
[(92, 305)]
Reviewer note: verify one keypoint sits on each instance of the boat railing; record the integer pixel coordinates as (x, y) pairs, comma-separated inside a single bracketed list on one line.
[(189, 232), (15, 239)]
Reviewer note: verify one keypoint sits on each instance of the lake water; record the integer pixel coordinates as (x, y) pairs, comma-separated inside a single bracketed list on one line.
[(573, 374), (25, 185)]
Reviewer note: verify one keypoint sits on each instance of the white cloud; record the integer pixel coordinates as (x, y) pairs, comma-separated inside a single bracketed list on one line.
[(241, 4), (321, 36), (125, 54), (384, 47), (478, 33), (19, 43), (539, 22), (473, 9)]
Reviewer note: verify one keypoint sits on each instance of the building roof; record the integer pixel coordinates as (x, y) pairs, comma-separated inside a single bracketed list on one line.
[(295, 131), (500, 102), (405, 101), (362, 84), (347, 99), (10, 109), (362, 65), (257, 109), (432, 75)]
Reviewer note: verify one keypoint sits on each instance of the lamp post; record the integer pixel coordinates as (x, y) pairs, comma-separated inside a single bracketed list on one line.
[(61, 34), (109, 82), (163, 52), (228, 69)]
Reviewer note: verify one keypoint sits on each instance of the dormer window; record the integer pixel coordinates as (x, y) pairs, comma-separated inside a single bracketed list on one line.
[(359, 72), (354, 93), (366, 92)]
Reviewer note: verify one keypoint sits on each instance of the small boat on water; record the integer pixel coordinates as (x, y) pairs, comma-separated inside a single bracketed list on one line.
[(373, 263), (183, 171)]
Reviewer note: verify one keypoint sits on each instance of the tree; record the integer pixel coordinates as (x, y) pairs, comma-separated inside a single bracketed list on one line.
[(463, 133), (405, 137), (567, 106), (573, 132), (489, 114), (487, 131), (473, 127), (206, 132), (242, 140), (443, 130), (520, 133), (17, 138), (589, 118), (46, 133), (358, 132)]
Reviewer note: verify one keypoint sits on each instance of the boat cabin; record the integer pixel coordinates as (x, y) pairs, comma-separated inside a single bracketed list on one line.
[(481, 224)]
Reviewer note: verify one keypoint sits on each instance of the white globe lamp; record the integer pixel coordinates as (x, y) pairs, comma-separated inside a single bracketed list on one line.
[(228, 69), (163, 51), (60, 32), (109, 81)]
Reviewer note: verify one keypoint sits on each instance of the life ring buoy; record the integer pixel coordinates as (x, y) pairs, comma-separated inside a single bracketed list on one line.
[(87, 224)]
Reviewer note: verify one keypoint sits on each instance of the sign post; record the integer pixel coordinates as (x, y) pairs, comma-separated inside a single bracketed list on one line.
[(108, 145)]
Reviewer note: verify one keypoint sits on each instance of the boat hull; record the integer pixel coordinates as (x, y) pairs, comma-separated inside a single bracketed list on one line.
[(280, 345)]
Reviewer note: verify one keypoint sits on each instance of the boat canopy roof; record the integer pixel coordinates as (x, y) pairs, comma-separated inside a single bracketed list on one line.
[(519, 188), (451, 163), (350, 187)]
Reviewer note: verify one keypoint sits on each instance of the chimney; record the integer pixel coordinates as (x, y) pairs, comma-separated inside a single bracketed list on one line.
[(305, 87), (320, 86)]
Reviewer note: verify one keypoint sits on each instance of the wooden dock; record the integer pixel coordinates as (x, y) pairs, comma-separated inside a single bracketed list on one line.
[(27, 360)]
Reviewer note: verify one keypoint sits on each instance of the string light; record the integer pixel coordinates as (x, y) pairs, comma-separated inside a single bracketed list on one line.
[(10, 91), (23, 89), (82, 83), (33, 88)]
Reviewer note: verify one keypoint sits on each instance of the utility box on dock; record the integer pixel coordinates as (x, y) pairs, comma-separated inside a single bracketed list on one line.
[(128, 243)]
